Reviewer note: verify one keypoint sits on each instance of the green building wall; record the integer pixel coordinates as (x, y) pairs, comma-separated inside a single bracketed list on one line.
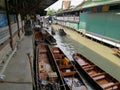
[(104, 23), (82, 23), (73, 25)]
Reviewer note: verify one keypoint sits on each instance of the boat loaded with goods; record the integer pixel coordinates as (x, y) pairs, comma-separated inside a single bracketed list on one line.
[(47, 77)]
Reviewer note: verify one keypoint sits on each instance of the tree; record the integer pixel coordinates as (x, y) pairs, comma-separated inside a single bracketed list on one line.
[(50, 11)]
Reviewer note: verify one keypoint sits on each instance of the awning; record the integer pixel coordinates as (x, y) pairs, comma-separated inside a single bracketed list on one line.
[(28, 6)]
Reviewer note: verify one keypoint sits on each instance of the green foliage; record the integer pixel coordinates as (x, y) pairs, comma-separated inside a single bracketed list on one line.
[(50, 11)]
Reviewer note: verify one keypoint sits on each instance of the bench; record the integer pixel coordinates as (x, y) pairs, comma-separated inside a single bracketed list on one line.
[(58, 56), (65, 74), (99, 77), (56, 50), (89, 66), (98, 74), (89, 69), (111, 86), (65, 67), (86, 64)]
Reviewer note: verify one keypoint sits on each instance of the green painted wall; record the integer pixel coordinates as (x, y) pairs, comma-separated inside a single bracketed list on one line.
[(104, 23), (73, 25), (82, 23)]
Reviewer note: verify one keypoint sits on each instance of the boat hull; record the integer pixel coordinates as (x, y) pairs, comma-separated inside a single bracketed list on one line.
[(98, 77), (46, 72), (72, 79)]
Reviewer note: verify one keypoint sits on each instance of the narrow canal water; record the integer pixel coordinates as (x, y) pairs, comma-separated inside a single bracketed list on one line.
[(69, 46)]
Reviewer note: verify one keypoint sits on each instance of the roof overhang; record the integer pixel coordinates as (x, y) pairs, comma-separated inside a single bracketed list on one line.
[(89, 4), (28, 6)]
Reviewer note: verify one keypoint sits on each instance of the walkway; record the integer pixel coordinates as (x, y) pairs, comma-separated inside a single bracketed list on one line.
[(18, 73)]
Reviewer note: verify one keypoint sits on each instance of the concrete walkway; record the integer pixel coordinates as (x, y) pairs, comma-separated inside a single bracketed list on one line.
[(18, 73), (100, 54)]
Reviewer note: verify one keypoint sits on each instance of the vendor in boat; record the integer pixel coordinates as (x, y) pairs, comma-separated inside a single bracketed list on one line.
[(65, 61)]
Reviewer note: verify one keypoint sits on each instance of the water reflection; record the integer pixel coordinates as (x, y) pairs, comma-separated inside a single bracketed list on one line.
[(66, 46)]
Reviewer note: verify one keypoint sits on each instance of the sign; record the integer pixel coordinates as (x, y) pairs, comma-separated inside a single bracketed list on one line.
[(3, 20)]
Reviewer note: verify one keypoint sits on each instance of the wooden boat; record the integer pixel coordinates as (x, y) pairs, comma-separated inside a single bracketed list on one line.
[(50, 39), (117, 51), (62, 32), (47, 78), (69, 73), (52, 31), (101, 79), (38, 37)]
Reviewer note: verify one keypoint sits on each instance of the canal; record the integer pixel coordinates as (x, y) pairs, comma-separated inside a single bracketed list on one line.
[(99, 54), (70, 46)]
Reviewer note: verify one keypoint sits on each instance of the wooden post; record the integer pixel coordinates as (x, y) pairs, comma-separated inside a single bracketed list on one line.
[(9, 24), (22, 25), (18, 26)]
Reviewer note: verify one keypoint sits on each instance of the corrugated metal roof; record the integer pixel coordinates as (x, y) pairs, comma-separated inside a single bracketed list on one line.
[(95, 3)]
